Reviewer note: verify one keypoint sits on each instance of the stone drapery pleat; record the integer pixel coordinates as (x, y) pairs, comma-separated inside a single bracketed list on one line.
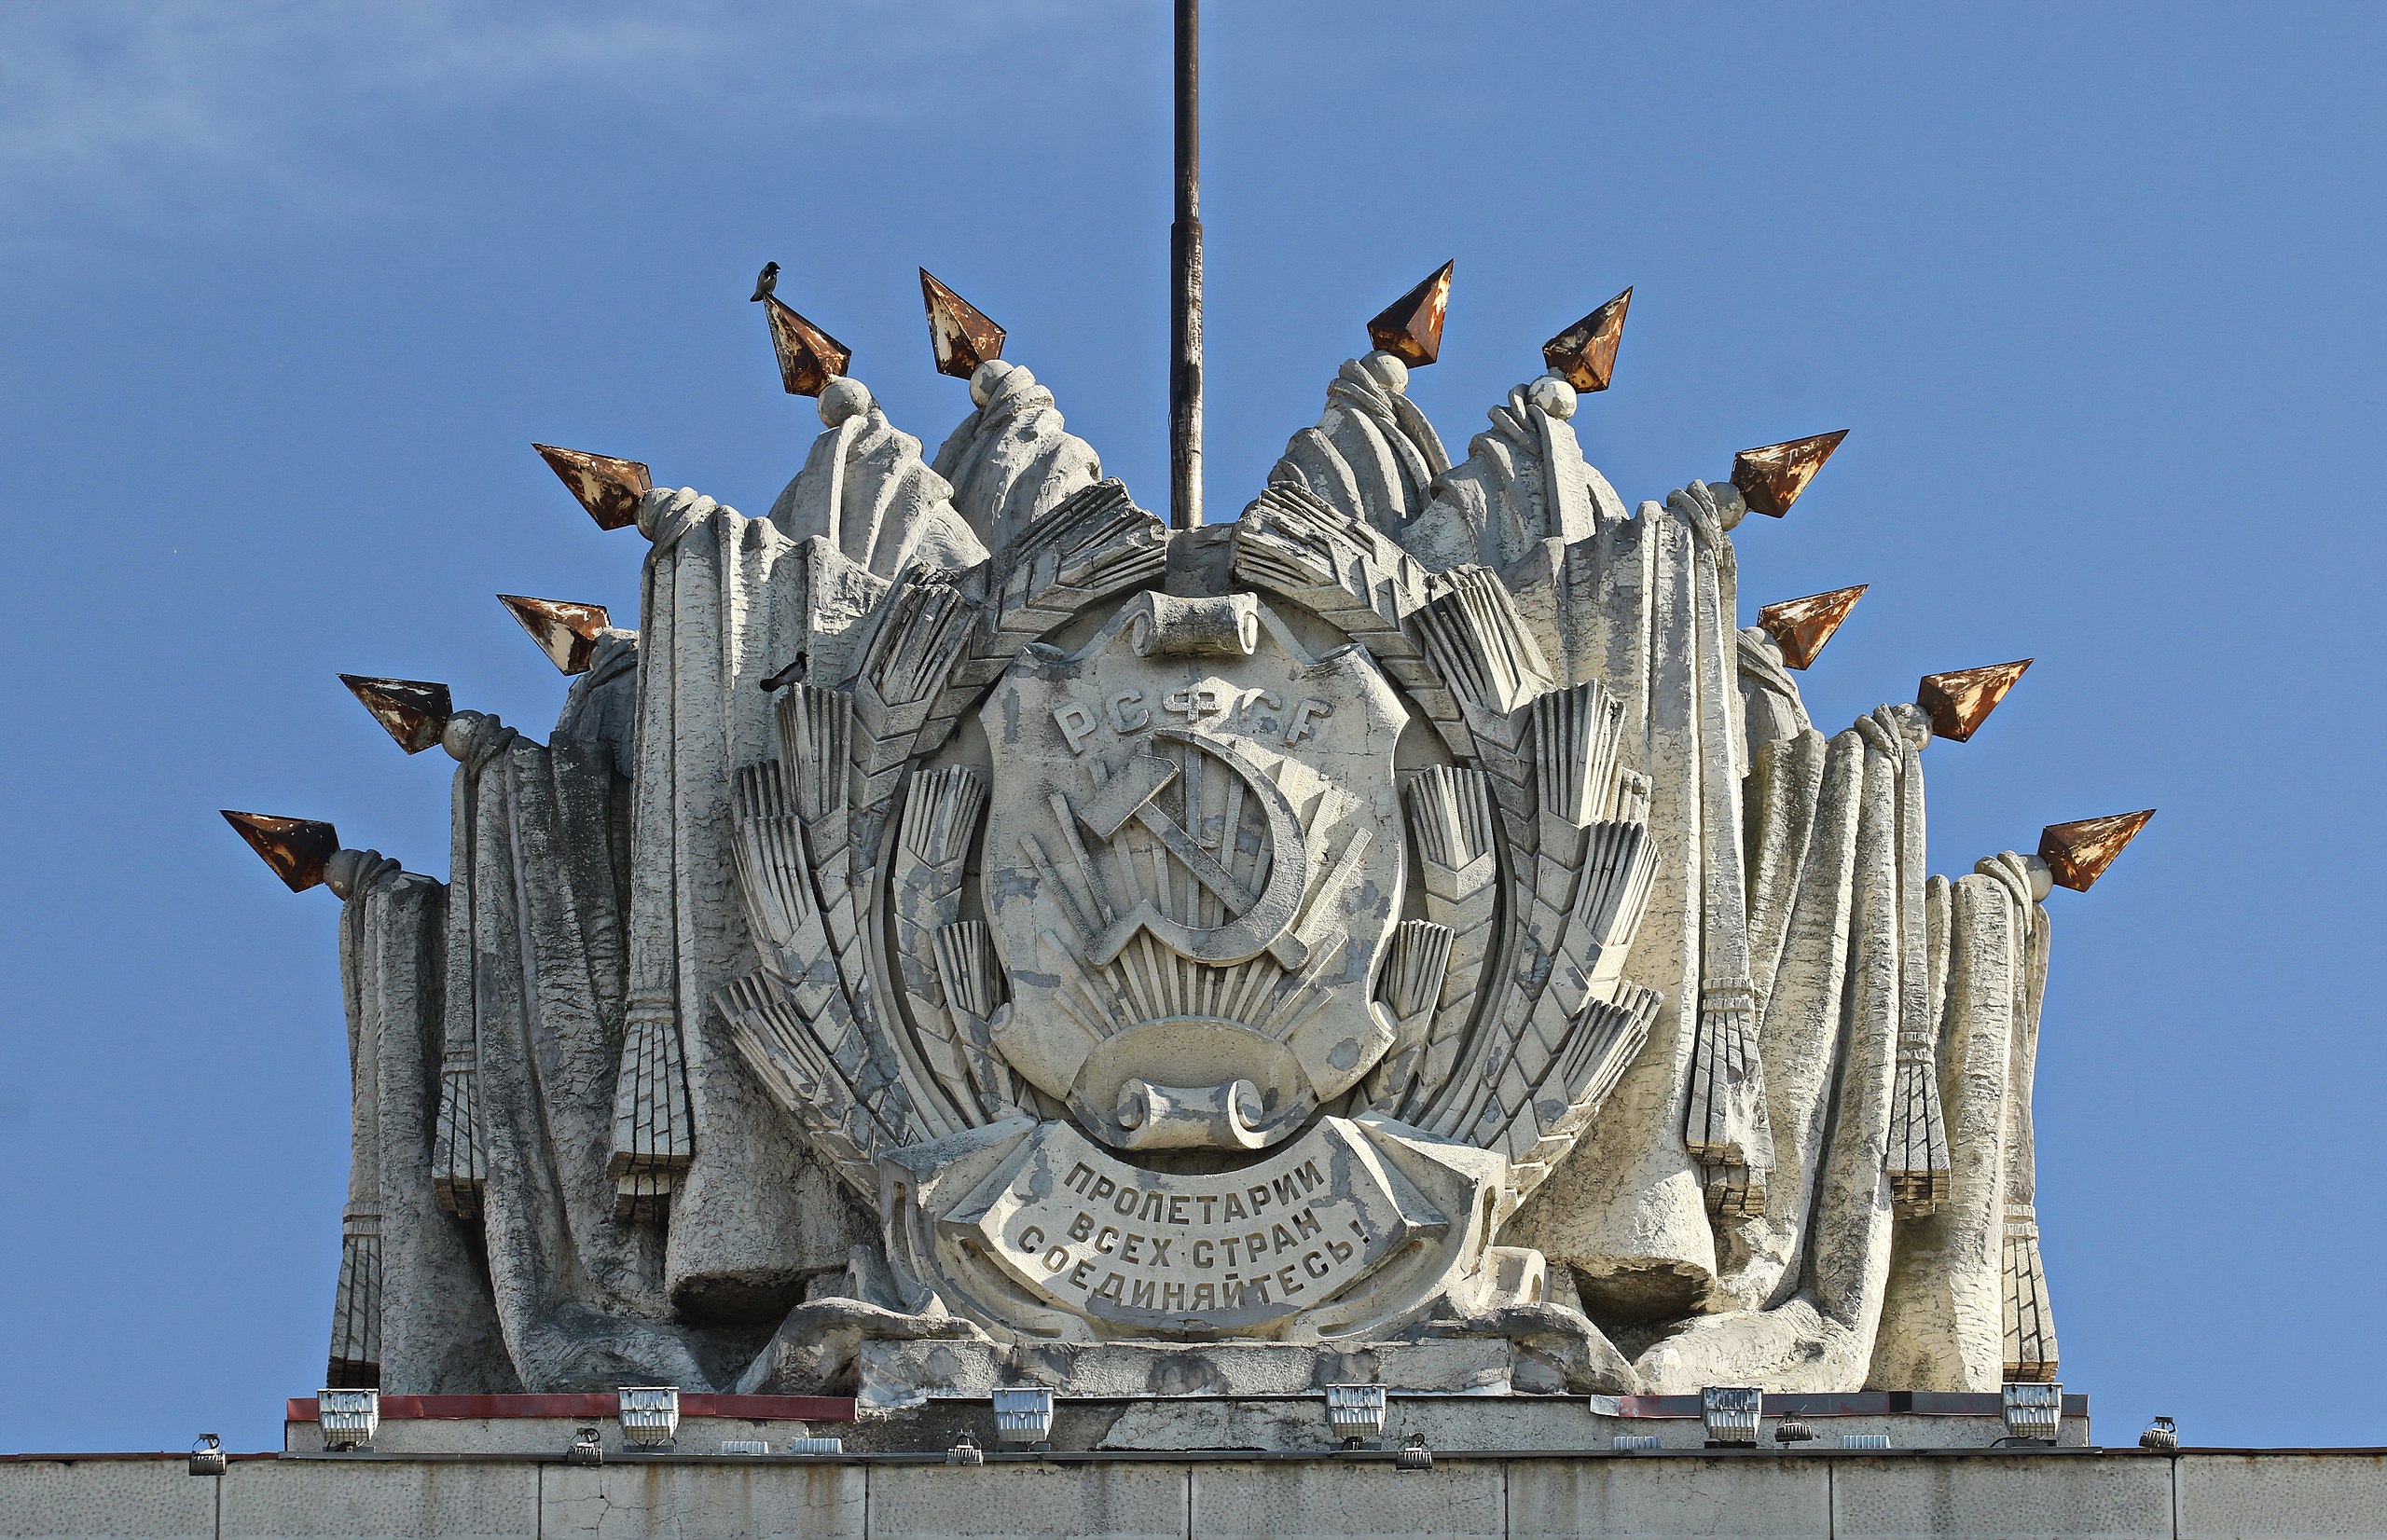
[(1646, 603), (2030, 1352), (1523, 483), (432, 1329), (1012, 460), (866, 490), (1771, 710), (535, 912), (1373, 455), (727, 601), (1947, 1325), (1806, 1278)]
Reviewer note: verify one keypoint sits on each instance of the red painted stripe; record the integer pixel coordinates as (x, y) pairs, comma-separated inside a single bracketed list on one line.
[(795, 1409)]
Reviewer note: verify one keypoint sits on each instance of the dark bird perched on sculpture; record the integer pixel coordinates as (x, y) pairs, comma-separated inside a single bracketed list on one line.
[(793, 674), (764, 282)]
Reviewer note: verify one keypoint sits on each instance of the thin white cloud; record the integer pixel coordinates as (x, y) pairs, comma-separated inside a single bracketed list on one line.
[(137, 116)]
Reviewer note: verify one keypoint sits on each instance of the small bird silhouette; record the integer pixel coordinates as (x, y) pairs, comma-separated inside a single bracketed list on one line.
[(765, 281), (793, 674)]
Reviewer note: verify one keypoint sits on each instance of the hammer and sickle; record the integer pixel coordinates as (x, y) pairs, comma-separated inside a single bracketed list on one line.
[(1263, 921)]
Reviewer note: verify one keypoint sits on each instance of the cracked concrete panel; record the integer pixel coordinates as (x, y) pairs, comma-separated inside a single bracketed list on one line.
[(151, 1499), (1288, 1501), (1136, 1502), (378, 1500), (716, 1501), (2078, 1495), (1669, 1496)]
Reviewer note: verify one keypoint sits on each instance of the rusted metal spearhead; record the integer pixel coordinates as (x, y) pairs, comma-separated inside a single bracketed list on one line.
[(1800, 626), (413, 711), (809, 357), (959, 331), (1960, 702), (295, 848), (1771, 478), (565, 631), (609, 489), (1410, 327), (2077, 854), (1584, 355)]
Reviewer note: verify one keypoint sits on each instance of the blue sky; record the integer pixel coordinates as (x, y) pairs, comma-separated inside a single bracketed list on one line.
[(286, 290)]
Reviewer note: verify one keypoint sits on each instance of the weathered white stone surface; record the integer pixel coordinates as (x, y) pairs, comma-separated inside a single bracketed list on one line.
[(956, 851), (1192, 1252), (900, 1373)]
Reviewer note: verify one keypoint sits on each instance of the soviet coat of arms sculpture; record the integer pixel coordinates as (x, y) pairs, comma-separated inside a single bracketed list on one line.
[(969, 914)]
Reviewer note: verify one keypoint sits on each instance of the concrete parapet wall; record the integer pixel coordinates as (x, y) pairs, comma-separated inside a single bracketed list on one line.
[(1832, 1494)]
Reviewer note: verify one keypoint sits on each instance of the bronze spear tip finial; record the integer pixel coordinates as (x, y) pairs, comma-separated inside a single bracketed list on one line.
[(565, 631), (1584, 355), (413, 711), (609, 489), (2078, 853), (1771, 478), (1800, 626), (809, 357), (1410, 327), (297, 849), (959, 331), (1959, 702)]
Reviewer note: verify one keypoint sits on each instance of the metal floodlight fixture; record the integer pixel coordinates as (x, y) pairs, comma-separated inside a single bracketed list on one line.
[(965, 1451), (349, 1418), (815, 1446), (1864, 1440), (1356, 1412), (2033, 1412), (1024, 1416), (2163, 1436), (1731, 1413), (585, 1450), (1624, 1441), (649, 1415), (1790, 1430), (207, 1456), (1414, 1455), (745, 1446)]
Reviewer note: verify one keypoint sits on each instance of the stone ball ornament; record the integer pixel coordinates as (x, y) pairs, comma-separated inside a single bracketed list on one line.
[(842, 398), (969, 921), (1552, 397)]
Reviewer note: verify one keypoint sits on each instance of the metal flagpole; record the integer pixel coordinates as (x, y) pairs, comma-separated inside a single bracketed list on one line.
[(1185, 297)]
